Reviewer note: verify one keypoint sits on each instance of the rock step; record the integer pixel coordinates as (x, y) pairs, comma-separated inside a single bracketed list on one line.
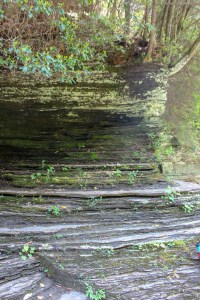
[(153, 190), (26, 280), (91, 230), (126, 250), (157, 271)]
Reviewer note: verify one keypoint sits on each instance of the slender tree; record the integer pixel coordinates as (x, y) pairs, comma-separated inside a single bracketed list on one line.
[(148, 56), (146, 20), (127, 5)]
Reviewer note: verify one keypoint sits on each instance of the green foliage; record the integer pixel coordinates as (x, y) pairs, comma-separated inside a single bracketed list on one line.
[(35, 176), (94, 156), (58, 236), (95, 294), (36, 7), (132, 176), (136, 154), (26, 252), (55, 41), (148, 247), (93, 201), (38, 200), (50, 170), (172, 50), (2, 197), (104, 251), (187, 208), (48, 173), (118, 173), (2, 14), (65, 169), (170, 195), (162, 145), (43, 164), (48, 62), (196, 113), (159, 246), (51, 60), (54, 210)]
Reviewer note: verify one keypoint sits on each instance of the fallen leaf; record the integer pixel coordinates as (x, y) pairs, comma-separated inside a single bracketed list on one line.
[(27, 296), (40, 297), (42, 285)]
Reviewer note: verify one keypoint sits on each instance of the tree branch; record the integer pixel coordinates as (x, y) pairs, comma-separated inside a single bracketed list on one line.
[(176, 67)]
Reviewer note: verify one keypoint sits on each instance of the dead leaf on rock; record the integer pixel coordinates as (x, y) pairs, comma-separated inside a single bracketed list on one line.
[(27, 296)]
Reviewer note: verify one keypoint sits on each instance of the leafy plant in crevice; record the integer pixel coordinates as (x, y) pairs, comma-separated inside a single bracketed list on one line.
[(95, 294), (93, 201), (136, 154), (58, 235), (36, 176), (159, 246), (65, 169), (132, 176), (54, 210), (152, 246), (170, 195), (26, 252), (38, 200), (94, 156), (50, 171), (187, 208), (108, 252), (118, 173), (161, 145)]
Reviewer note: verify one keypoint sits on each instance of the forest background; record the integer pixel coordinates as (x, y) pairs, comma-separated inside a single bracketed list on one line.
[(70, 38)]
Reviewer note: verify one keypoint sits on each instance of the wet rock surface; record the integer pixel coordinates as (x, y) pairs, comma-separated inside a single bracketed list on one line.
[(81, 184)]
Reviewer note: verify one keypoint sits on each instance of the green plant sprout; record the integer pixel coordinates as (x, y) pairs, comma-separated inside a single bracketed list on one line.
[(187, 208), (104, 251), (95, 294), (54, 210), (35, 176), (49, 172), (170, 195), (26, 252), (91, 202), (65, 169), (58, 235), (132, 176), (94, 156), (118, 173), (43, 165), (136, 154)]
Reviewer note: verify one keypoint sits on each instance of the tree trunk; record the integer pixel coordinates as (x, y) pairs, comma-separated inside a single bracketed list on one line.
[(146, 19), (128, 15), (113, 9), (176, 67), (186, 9), (175, 25), (164, 22), (148, 57), (170, 17)]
